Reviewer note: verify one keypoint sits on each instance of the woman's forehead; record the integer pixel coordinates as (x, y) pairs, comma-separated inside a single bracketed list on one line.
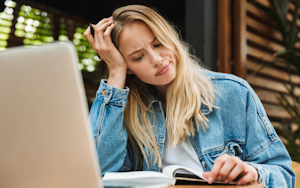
[(135, 35), (136, 30)]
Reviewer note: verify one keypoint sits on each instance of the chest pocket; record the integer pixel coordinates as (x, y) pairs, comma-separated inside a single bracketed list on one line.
[(232, 149)]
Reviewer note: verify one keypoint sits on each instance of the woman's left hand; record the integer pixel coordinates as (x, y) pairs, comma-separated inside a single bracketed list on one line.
[(229, 168)]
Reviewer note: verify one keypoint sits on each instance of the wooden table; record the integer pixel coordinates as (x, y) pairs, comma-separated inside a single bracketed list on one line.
[(296, 168), (252, 185)]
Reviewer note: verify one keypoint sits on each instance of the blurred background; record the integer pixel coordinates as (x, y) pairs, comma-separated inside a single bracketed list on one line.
[(38, 21), (257, 40)]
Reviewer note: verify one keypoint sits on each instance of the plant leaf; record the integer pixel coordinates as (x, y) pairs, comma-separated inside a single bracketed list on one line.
[(279, 16), (283, 52), (293, 30), (283, 6)]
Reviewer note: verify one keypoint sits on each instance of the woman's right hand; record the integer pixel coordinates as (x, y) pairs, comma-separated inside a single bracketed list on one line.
[(102, 44)]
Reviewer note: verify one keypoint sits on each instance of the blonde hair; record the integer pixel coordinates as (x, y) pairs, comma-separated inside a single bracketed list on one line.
[(186, 93)]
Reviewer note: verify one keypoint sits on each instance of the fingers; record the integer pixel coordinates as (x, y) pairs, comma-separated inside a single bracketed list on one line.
[(251, 174), (88, 36), (103, 21), (246, 179), (219, 162), (229, 168), (107, 33), (100, 23), (206, 175), (99, 31), (226, 168), (235, 171), (102, 32)]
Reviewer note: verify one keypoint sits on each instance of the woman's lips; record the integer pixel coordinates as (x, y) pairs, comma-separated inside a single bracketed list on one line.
[(162, 70)]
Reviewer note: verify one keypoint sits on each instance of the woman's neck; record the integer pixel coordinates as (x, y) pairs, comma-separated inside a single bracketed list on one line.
[(161, 94), (162, 89)]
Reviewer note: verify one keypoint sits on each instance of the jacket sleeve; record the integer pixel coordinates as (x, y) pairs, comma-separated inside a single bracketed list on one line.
[(265, 151), (106, 118)]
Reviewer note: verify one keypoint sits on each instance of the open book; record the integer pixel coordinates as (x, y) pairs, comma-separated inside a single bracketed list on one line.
[(168, 176)]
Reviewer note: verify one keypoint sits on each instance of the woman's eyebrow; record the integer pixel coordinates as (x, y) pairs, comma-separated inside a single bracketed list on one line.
[(137, 51), (153, 40)]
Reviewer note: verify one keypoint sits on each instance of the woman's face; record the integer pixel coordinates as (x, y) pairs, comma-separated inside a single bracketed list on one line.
[(145, 56)]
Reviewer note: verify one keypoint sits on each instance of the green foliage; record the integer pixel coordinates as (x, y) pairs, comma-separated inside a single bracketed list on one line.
[(290, 56)]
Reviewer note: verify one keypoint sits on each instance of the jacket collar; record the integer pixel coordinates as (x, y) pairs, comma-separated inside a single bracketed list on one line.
[(153, 99)]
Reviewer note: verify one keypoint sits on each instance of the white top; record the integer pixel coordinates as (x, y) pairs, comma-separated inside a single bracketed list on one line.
[(183, 154)]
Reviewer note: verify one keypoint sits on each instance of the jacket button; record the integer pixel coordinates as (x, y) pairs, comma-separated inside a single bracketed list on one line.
[(203, 164), (104, 93)]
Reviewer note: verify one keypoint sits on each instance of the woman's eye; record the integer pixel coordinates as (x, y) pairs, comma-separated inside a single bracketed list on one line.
[(139, 58), (157, 45)]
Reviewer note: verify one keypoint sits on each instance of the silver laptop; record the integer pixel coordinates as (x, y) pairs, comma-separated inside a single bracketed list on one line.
[(45, 138)]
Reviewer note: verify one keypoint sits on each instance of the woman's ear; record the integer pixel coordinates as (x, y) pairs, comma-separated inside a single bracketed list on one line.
[(129, 72)]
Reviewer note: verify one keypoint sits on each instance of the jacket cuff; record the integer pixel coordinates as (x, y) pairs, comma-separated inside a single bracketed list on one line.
[(112, 95)]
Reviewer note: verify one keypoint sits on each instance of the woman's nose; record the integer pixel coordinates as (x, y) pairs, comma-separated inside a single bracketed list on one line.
[(156, 58)]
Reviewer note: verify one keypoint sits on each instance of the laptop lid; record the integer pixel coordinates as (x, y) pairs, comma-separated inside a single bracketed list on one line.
[(45, 138)]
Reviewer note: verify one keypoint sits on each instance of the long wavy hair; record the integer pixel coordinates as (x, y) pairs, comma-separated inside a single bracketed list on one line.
[(185, 95)]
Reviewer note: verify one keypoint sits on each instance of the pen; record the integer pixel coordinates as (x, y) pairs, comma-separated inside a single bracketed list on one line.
[(93, 33)]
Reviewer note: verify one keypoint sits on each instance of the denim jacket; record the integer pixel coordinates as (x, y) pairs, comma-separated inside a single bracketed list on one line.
[(238, 127)]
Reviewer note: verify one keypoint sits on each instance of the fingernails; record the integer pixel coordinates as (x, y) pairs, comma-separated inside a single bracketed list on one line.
[(219, 178), (210, 180), (239, 183), (226, 181)]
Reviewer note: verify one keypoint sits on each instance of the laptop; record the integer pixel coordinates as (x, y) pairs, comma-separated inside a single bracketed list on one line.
[(45, 138)]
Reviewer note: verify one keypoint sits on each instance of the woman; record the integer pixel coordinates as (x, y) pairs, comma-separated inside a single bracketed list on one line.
[(159, 107)]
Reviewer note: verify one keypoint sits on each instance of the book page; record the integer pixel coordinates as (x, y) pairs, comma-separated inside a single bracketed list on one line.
[(171, 171), (145, 176)]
